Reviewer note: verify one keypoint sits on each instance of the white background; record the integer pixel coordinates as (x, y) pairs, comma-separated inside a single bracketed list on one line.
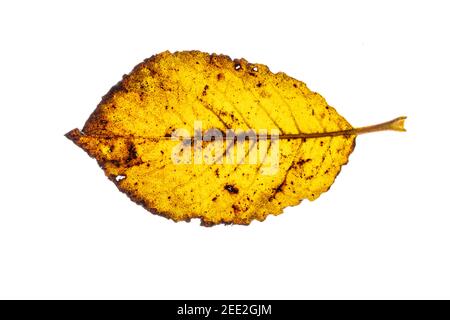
[(382, 231)]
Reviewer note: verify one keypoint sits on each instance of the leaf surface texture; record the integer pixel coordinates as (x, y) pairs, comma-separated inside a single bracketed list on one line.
[(129, 135)]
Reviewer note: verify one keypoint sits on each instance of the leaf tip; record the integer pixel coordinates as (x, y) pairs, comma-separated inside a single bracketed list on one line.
[(73, 135)]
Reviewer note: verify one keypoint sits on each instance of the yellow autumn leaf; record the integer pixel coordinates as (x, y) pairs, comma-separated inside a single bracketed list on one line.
[(194, 135)]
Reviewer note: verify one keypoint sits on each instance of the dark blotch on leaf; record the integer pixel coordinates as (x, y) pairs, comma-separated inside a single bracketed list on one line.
[(231, 189)]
